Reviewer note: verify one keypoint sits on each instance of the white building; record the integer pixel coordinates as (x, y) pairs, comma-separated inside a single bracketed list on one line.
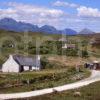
[(70, 46), (18, 63)]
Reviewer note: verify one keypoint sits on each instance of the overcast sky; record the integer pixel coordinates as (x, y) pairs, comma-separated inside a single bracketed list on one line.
[(75, 14)]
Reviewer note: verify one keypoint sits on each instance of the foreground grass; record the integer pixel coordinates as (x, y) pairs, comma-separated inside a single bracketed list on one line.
[(29, 81), (91, 92)]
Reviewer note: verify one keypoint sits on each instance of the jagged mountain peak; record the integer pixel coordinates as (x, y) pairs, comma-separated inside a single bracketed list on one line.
[(86, 31)]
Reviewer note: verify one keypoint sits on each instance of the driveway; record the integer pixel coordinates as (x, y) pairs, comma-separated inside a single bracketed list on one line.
[(95, 76)]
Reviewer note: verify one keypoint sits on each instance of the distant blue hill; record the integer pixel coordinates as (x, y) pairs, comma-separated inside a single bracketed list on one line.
[(12, 25), (49, 29), (69, 31), (86, 31)]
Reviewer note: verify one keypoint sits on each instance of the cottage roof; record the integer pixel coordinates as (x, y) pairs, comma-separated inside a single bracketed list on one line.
[(63, 39), (96, 41), (25, 61)]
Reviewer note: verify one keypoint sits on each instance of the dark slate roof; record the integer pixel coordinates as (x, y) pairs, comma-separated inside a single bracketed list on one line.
[(25, 61)]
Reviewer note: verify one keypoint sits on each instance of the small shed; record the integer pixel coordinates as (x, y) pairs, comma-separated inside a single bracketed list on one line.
[(95, 65)]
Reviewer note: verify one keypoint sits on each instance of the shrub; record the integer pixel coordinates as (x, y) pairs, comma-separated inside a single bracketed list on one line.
[(84, 53)]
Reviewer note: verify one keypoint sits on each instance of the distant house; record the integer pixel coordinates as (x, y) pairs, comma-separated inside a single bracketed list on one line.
[(18, 63), (69, 46), (95, 42), (66, 44), (63, 39)]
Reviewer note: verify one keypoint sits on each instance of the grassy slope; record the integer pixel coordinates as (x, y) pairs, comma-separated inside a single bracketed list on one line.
[(19, 37), (91, 92), (39, 80)]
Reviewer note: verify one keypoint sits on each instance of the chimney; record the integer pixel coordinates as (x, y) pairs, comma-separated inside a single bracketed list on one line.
[(38, 57), (10, 56)]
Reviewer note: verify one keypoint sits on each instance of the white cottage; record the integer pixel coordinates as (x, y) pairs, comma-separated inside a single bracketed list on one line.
[(18, 63)]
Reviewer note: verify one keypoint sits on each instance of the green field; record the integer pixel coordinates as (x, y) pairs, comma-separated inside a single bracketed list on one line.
[(49, 44), (91, 92), (30, 81), (16, 43)]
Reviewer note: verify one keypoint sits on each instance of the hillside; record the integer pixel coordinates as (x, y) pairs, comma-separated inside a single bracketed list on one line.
[(56, 72), (14, 42)]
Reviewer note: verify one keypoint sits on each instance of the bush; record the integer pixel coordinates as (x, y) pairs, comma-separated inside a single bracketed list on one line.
[(44, 62), (84, 53), (71, 52)]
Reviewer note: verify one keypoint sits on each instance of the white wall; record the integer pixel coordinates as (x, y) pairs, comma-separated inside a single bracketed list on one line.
[(35, 68), (10, 65), (26, 68)]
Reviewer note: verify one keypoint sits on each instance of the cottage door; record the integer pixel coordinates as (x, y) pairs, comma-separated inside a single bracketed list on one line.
[(30, 67)]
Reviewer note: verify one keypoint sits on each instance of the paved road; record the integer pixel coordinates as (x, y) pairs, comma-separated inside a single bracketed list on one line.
[(95, 76)]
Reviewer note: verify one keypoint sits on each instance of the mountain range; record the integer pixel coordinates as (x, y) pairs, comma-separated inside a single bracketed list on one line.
[(13, 25)]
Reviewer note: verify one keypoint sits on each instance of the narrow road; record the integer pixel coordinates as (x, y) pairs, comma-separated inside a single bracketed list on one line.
[(95, 76)]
